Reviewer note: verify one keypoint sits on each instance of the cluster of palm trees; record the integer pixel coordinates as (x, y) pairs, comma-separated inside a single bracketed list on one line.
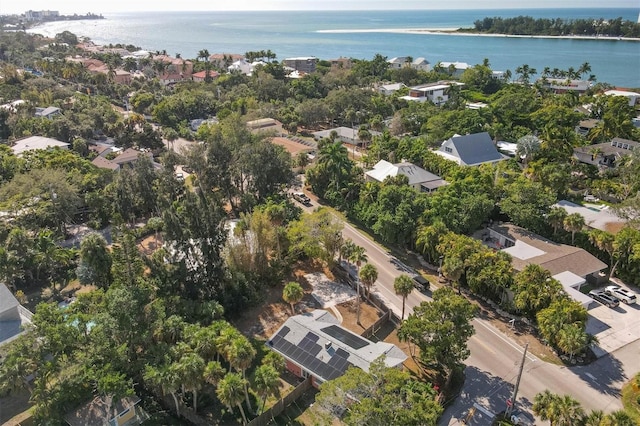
[(200, 359), (260, 54), (563, 410), (571, 73), (367, 275)]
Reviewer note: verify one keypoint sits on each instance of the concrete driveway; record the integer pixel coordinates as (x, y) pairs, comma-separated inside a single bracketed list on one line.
[(615, 327)]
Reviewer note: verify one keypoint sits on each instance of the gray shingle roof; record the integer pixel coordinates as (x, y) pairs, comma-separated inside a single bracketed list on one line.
[(476, 148)]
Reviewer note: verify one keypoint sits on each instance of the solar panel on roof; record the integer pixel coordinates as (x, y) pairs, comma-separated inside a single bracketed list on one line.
[(283, 331), (345, 337), (313, 337), (341, 352)]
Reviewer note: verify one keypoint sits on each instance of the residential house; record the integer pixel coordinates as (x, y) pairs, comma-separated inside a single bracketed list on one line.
[(420, 179), (606, 154), (13, 316), (106, 412), (454, 69), (344, 134), (244, 67), (437, 93), (49, 112), (125, 159), (306, 64), (634, 97), (563, 85), (222, 60), (315, 345), (572, 266), (470, 150), (421, 64), (398, 62), (584, 126), (341, 63), (596, 217), (390, 89), (33, 143), (202, 75)]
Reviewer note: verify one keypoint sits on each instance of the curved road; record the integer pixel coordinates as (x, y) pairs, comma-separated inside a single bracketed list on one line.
[(493, 365)]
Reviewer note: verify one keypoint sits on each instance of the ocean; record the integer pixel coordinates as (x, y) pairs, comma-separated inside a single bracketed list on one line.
[(362, 34)]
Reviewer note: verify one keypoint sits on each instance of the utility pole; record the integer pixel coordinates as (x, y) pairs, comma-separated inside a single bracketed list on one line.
[(512, 402)]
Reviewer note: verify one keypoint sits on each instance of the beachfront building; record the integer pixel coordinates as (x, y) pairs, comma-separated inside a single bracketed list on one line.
[(305, 64), (399, 62), (634, 97), (564, 85), (437, 93), (454, 69)]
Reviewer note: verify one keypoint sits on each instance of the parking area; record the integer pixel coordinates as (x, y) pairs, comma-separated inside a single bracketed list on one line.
[(614, 327)]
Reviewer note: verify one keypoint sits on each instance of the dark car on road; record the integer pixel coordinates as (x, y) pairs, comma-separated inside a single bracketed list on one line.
[(302, 198), (604, 298)]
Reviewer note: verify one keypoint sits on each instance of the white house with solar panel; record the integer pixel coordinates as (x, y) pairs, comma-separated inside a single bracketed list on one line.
[(315, 345)]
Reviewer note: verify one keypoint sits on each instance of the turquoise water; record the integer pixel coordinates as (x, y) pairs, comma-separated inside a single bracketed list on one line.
[(301, 33)]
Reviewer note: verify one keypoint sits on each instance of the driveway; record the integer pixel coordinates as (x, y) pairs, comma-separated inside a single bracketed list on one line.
[(615, 327)]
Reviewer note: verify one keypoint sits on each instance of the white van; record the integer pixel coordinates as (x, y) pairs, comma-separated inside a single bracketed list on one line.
[(621, 294)]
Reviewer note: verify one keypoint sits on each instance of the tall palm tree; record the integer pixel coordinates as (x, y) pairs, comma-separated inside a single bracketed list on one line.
[(266, 382), (241, 357), (357, 256), (429, 238), (213, 373), (292, 294), (606, 242), (556, 218), (190, 369), (544, 404), (335, 158), (620, 418), (368, 276), (403, 285), (166, 379), (595, 418), (230, 392), (573, 223)]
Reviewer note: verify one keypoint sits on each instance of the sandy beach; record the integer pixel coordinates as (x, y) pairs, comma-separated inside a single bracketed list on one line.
[(454, 32)]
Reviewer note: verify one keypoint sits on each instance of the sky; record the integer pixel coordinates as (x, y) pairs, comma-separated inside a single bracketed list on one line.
[(83, 6)]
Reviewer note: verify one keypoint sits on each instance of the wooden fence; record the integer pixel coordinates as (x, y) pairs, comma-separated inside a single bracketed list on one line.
[(266, 417), (376, 325)]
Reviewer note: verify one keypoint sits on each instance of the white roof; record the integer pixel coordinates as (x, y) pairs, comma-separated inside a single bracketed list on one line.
[(392, 86), (523, 251), (570, 282), (457, 65), (621, 93), (383, 169), (301, 58), (36, 142)]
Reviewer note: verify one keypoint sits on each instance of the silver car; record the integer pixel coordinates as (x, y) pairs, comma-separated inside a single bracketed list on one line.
[(604, 298)]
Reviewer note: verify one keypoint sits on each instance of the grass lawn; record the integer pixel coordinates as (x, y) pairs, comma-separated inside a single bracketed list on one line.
[(631, 398)]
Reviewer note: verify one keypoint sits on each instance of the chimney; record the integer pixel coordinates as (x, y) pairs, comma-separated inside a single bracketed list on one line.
[(327, 345)]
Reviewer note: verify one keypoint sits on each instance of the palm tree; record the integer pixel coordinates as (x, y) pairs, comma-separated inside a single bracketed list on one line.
[(453, 268), (266, 382), (620, 418), (527, 146), (595, 418), (213, 373), (429, 238), (368, 276), (403, 285), (573, 223), (166, 379), (241, 357), (606, 242), (357, 256), (568, 412), (190, 369), (292, 294), (230, 392), (585, 68), (556, 218), (544, 404), (335, 158), (572, 339), (525, 73)]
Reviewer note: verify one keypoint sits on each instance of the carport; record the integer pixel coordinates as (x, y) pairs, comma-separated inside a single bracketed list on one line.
[(571, 283)]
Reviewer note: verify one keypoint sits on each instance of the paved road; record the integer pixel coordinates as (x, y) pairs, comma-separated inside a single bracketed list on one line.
[(493, 365)]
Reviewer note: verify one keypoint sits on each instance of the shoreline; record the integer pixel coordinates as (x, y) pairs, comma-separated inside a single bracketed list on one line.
[(454, 32)]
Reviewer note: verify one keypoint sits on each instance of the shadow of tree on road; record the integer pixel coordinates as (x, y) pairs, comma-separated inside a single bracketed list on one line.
[(482, 388), (604, 375)]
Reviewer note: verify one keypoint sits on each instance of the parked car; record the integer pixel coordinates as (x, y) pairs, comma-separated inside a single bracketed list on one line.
[(180, 176), (420, 282), (604, 298), (621, 294), (302, 198)]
